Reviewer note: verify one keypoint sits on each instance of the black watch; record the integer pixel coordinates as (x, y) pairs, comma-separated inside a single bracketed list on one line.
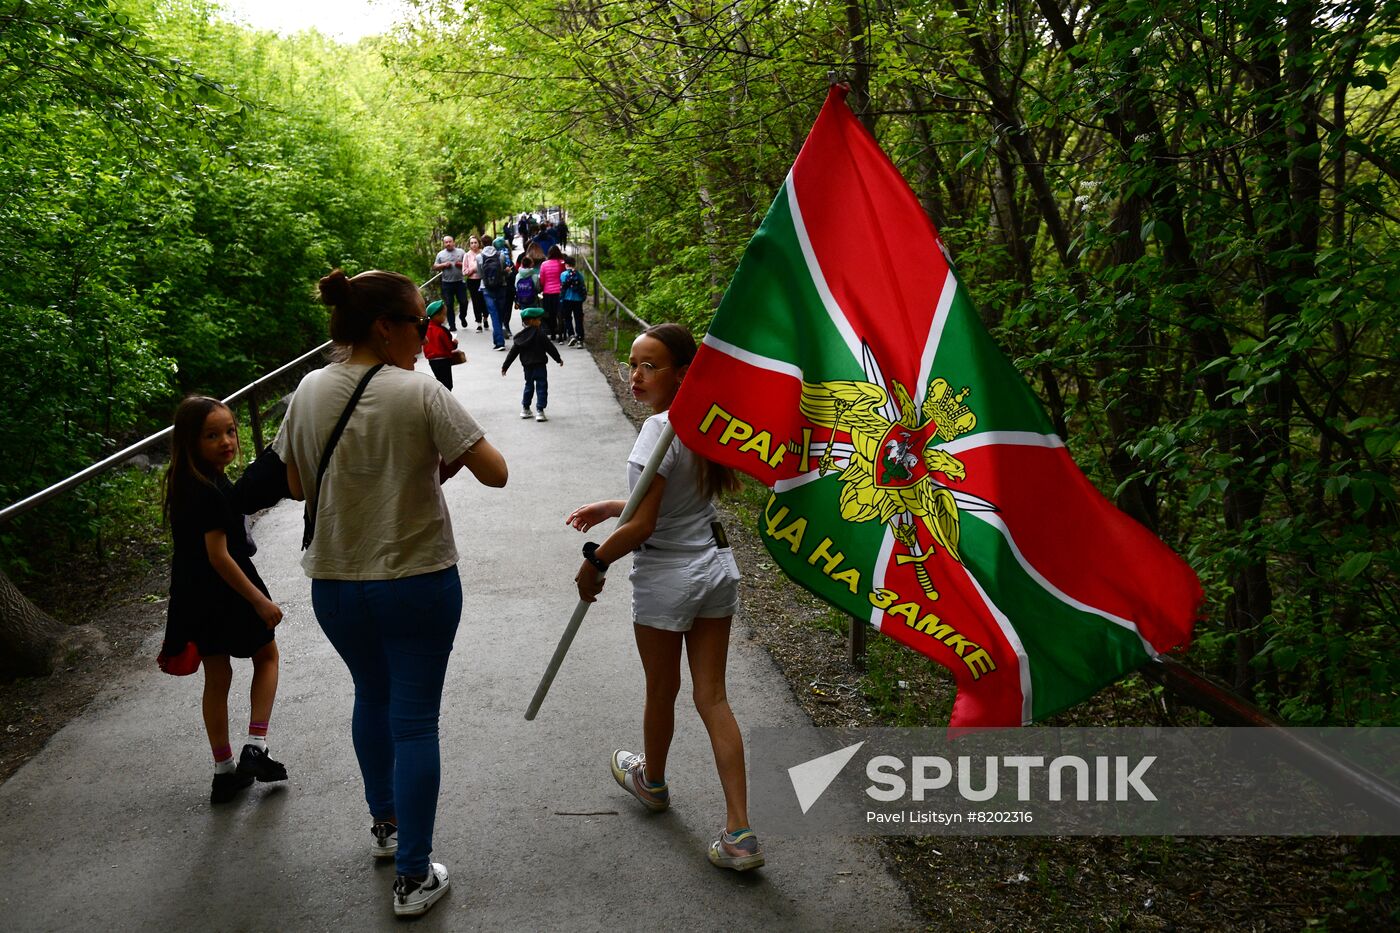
[(590, 554)]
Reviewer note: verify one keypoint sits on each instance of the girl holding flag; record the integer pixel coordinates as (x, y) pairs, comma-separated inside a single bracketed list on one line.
[(685, 590)]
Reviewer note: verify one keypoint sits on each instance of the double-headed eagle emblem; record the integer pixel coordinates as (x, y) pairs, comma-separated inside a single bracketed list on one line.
[(888, 466)]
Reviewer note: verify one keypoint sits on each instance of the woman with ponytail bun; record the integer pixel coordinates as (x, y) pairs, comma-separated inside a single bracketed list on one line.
[(382, 562)]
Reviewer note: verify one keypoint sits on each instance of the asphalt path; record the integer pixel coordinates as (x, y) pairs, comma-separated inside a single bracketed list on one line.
[(110, 826)]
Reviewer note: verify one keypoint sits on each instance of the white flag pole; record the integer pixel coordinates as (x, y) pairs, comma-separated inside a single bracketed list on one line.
[(658, 453)]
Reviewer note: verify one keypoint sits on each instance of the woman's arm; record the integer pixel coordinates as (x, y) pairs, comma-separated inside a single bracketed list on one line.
[(483, 460), (294, 482), (216, 544), (625, 538)]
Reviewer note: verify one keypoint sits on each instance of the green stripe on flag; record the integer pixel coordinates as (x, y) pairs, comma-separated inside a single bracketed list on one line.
[(1072, 653), (966, 356), (773, 309), (813, 545)]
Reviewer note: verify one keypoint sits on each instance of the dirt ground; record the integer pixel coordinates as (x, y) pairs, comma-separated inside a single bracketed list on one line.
[(987, 883)]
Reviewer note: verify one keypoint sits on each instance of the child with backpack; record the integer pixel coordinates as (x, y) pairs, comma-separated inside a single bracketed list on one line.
[(531, 344), (575, 293), (527, 285), (219, 606)]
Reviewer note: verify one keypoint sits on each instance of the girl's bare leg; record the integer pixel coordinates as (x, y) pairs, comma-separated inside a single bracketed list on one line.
[(264, 688), (218, 676), (661, 659), (707, 649)]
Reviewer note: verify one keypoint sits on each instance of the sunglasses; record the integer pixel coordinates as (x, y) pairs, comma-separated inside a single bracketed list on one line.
[(419, 323)]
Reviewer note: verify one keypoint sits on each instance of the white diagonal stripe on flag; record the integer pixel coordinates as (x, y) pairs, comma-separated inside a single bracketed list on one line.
[(935, 330), (753, 359), (814, 269), (994, 519), (1009, 438), (1023, 661)]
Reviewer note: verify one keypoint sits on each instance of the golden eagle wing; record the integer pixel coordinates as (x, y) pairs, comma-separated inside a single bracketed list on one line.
[(854, 403)]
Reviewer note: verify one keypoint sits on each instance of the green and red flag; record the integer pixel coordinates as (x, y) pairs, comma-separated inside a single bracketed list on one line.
[(916, 480)]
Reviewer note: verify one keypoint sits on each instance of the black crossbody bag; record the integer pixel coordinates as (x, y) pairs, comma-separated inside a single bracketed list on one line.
[(308, 530)]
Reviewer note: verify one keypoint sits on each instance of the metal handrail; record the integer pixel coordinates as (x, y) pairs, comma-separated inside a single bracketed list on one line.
[(121, 456), (604, 289)]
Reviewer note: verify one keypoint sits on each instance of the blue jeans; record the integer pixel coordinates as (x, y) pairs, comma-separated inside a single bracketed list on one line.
[(395, 637), (536, 380), (493, 310), (451, 290)]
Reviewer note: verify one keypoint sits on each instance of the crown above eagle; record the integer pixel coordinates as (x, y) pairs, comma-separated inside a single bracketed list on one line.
[(947, 410)]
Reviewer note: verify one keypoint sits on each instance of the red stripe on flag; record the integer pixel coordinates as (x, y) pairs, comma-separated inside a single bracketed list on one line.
[(743, 417), (985, 697), (1081, 542), (876, 247)]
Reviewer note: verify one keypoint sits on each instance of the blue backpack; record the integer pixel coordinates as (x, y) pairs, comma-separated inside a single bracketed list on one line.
[(525, 290)]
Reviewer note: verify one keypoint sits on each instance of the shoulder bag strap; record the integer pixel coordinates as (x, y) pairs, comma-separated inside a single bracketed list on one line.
[(309, 517)]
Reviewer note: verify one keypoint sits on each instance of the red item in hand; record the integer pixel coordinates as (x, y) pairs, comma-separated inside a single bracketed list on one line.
[(185, 662)]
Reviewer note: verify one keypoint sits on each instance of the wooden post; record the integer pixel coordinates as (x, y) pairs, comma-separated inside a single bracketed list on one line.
[(855, 644)]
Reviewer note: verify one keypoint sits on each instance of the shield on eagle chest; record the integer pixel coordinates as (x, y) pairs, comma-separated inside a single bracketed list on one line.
[(901, 455)]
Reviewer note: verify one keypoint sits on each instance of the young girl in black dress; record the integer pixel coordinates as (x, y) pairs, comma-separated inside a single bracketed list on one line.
[(218, 603)]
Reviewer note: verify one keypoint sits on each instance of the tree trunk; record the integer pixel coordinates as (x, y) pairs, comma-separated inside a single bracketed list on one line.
[(31, 640)]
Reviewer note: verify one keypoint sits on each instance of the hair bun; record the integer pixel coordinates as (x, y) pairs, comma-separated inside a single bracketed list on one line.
[(336, 290)]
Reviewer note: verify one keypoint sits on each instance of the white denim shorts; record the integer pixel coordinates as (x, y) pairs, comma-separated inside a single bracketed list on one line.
[(671, 589)]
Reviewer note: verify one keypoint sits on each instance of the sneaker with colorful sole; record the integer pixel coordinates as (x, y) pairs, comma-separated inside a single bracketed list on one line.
[(739, 851), (629, 770)]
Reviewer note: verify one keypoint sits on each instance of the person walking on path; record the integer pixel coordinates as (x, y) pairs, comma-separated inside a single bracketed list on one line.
[(550, 271), (452, 285), (532, 345), (496, 272), (573, 293), (219, 606), (439, 345), (382, 562), (472, 269), (527, 286), (685, 591)]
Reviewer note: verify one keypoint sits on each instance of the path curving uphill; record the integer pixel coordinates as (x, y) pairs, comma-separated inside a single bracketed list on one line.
[(110, 827)]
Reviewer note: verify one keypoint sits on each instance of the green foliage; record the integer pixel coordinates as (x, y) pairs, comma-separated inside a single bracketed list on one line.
[(171, 188), (1175, 219)]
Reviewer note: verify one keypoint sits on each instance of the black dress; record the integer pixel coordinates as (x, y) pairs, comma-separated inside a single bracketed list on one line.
[(203, 608)]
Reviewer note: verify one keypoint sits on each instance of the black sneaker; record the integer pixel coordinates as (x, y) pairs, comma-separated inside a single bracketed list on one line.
[(254, 763), (227, 786), (413, 897)]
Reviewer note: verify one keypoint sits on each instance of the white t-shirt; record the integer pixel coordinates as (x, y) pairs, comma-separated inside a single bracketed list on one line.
[(381, 514), (684, 519)]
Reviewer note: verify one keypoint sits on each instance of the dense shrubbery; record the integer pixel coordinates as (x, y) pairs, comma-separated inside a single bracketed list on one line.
[(1175, 218), (171, 187)]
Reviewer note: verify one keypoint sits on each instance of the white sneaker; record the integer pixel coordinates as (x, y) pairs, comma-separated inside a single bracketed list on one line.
[(525, 413), (386, 840), (541, 416), (412, 898)]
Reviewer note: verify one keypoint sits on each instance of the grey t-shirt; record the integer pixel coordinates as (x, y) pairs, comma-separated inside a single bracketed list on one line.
[(683, 522), (451, 273)]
